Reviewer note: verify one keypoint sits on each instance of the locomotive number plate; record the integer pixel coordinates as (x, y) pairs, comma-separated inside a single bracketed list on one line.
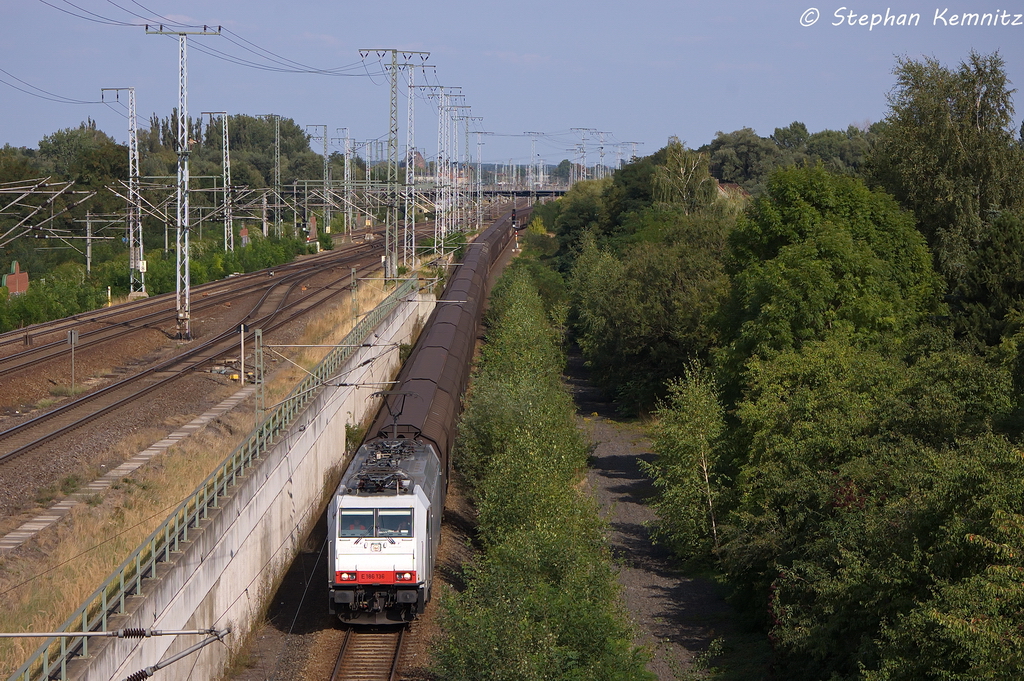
[(376, 577)]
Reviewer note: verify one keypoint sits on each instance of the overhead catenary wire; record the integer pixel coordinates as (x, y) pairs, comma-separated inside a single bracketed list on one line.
[(252, 55), (278, 63), (51, 96)]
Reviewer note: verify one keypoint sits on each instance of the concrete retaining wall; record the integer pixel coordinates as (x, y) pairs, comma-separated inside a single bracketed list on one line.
[(234, 561)]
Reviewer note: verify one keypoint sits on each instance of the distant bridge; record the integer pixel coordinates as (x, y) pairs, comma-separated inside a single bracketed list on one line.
[(550, 191)]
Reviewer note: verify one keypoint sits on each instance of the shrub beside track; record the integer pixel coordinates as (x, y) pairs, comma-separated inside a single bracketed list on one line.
[(542, 601)]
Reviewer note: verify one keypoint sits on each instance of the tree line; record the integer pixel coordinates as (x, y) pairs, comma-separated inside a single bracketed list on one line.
[(94, 161), (540, 600), (835, 367)]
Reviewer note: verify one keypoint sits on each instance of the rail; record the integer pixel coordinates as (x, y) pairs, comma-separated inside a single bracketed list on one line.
[(52, 657)]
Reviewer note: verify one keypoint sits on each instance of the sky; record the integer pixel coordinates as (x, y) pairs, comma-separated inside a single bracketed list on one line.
[(636, 70)]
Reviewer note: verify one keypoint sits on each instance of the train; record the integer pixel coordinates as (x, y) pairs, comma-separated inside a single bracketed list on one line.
[(384, 519)]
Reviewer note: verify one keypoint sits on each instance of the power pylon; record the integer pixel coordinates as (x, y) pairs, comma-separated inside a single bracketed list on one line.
[(458, 166), (409, 236), (347, 189), (634, 145), (409, 248), (476, 170), (480, 178), (440, 208), (182, 279), (279, 201), (229, 226), (535, 170), (136, 254), (439, 91), (600, 168), (229, 232), (327, 178), (392, 191), (583, 137)]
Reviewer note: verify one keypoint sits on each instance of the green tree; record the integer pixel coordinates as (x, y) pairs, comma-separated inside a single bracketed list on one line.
[(562, 170), (686, 439), (950, 154), (63, 149), (818, 252), (582, 210), (683, 179), (863, 472), (744, 157), (793, 137), (640, 316)]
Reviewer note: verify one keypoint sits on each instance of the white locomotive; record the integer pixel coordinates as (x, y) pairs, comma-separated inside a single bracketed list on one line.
[(385, 526)]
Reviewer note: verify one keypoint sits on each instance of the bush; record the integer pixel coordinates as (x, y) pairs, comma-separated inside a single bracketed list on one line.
[(542, 602)]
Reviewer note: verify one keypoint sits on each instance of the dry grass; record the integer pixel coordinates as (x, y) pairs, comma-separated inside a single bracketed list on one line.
[(45, 581), (327, 329)]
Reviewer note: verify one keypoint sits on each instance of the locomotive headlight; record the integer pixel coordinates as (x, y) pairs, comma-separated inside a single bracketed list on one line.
[(346, 577)]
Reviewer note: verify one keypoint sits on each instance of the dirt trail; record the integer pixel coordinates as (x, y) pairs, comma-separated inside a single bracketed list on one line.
[(676, 616)]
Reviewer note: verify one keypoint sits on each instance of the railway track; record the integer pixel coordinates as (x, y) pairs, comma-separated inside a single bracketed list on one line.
[(370, 655), (276, 308), (46, 342)]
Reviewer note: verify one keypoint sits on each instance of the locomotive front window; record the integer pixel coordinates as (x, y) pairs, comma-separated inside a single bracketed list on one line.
[(384, 522), (394, 522), (356, 523)]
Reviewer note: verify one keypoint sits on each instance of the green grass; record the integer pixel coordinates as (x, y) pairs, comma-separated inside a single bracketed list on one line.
[(70, 484), (67, 391)]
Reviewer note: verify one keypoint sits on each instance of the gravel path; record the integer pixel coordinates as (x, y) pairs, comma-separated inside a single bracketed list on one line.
[(676, 616)]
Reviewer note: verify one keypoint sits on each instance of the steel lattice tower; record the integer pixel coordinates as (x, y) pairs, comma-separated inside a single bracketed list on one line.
[(136, 254), (409, 240), (457, 165), (279, 203), (440, 210), (471, 191), (229, 228), (583, 136), (600, 168), (182, 290), (327, 177), (225, 164), (479, 180), (182, 280), (347, 189), (437, 164), (392, 191), (278, 200), (536, 175)]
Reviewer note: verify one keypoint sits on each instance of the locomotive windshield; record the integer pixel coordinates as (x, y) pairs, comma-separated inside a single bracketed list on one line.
[(394, 522), (367, 522), (356, 523)]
